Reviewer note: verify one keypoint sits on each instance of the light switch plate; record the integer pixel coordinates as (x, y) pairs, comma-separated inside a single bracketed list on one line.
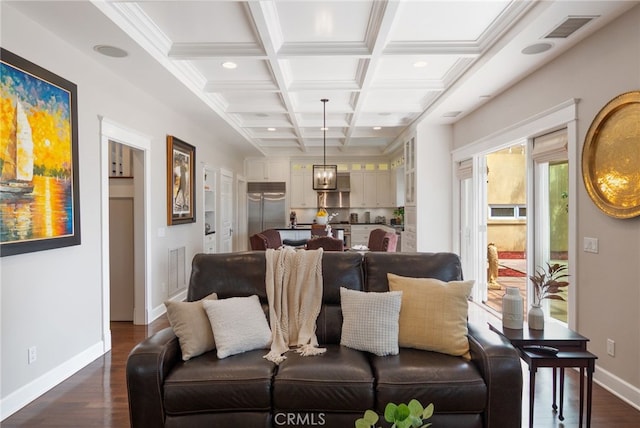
[(590, 245)]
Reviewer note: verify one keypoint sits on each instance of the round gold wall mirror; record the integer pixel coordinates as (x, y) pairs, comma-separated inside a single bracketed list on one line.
[(611, 157)]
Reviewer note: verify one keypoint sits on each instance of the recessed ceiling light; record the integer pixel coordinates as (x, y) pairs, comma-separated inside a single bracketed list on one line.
[(537, 48), (111, 51), (230, 65), (377, 128), (324, 129), (271, 129), (420, 64)]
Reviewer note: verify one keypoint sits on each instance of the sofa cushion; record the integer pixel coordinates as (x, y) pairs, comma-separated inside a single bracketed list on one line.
[(370, 321), (209, 384), (190, 323), (443, 266), (238, 325), (453, 384), (433, 314), (339, 380)]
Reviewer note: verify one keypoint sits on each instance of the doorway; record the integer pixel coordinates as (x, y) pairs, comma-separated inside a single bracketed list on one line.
[(140, 146)]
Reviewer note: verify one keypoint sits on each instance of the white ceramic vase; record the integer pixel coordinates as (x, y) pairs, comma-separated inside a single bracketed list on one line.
[(536, 317), (512, 309)]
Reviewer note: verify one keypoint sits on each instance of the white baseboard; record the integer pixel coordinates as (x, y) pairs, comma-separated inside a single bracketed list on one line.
[(618, 387), (34, 389), (160, 310)]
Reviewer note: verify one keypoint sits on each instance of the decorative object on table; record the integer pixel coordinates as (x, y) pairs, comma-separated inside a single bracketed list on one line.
[(512, 309), (293, 219), (401, 415), (546, 285), (325, 177), (39, 189), (322, 216), (611, 157), (181, 161)]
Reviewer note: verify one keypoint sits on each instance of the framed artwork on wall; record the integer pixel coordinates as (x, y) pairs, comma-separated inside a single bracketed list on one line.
[(39, 192), (181, 161)]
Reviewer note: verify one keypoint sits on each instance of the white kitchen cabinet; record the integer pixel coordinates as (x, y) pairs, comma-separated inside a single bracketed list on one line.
[(302, 193), (385, 193), (267, 170), (410, 229), (410, 172), (371, 189)]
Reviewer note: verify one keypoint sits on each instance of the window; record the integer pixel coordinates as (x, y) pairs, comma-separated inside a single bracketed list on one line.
[(507, 212)]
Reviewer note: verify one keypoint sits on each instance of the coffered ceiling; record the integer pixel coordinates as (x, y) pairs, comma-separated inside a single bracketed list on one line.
[(383, 65)]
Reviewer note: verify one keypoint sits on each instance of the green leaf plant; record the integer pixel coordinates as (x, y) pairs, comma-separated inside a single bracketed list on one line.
[(410, 415)]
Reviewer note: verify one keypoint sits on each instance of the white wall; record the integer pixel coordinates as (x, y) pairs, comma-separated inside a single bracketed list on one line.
[(53, 299), (433, 187), (608, 283)]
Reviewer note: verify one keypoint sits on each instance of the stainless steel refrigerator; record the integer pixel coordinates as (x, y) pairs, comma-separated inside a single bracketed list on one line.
[(266, 206)]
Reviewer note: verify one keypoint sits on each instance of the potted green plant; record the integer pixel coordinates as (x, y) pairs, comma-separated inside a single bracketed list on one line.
[(410, 415), (546, 285)]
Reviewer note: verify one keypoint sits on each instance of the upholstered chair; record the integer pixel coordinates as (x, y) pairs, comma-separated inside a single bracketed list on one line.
[(381, 240), (327, 243), (269, 238), (273, 238)]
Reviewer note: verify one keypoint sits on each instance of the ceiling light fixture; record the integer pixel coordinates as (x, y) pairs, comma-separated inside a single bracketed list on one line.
[(229, 65), (420, 64), (377, 128), (112, 51), (271, 129), (325, 177), (537, 48)]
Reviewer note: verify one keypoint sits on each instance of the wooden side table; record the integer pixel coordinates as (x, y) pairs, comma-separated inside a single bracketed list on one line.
[(572, 353)]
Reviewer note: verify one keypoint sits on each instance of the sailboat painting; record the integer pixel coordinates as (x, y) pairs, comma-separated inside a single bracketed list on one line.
[(39, 194)]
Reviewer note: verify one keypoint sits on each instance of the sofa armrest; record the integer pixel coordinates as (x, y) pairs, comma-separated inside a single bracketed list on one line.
[(147, 366), (499, 364)]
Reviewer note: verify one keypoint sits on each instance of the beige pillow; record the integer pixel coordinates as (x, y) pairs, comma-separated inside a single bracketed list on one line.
[(191, 324), (239, 325), (370, 321), (433, 315)]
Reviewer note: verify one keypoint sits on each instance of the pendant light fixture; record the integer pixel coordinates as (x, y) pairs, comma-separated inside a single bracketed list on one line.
[(325, 177)]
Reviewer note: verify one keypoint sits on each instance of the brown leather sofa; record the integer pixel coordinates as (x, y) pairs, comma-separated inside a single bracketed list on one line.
[(333, 389)]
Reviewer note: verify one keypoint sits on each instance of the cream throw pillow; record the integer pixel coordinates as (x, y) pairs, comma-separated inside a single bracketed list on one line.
[(191, 324), (433, 314), (370, 321), (239, 325)]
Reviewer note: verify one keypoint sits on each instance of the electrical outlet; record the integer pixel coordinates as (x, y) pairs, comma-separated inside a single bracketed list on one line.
[(33, 354), (590, 245), (611, 347)]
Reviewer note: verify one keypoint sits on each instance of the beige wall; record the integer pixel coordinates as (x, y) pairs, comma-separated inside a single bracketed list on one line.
[(608, 283), (53, 299)]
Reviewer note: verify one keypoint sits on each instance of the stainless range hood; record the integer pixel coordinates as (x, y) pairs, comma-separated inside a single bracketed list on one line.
[(339, 198)]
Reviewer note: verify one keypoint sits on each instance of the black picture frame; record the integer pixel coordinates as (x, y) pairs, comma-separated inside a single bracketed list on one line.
[(181, 180), (39, 166)]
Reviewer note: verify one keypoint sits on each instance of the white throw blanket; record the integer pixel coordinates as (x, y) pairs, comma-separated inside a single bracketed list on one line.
[(294, 290)]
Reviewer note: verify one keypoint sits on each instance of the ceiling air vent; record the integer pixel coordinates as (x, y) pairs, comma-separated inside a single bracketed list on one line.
[(452, 114), (569, 26)]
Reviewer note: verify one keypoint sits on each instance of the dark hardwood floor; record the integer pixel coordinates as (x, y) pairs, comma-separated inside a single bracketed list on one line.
[(96, 396)]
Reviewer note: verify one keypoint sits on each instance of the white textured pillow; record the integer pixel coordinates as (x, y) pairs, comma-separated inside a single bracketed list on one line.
[(239, 325), (370, 321), (191, 325)]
